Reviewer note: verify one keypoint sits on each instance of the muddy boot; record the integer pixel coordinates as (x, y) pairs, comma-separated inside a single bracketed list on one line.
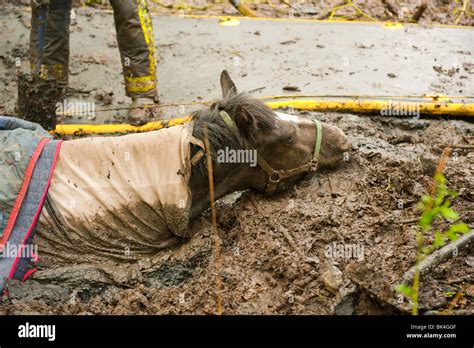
[(139, 114)]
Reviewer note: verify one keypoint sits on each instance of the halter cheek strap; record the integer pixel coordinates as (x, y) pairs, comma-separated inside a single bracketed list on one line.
[(276, 175)]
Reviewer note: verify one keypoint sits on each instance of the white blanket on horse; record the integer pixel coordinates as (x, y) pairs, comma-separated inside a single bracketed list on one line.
[(120, 195)]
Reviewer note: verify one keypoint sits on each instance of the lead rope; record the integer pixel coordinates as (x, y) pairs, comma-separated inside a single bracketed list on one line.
[(215, 234)]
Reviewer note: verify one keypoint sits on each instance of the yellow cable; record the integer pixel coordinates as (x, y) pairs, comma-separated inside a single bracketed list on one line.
[(352, 105)]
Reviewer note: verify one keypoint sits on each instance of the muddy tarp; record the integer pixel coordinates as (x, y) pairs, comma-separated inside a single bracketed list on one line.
[(118, 196), (26, 164)]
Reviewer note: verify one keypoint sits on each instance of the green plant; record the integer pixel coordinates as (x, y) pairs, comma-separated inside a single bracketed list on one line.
[(434, 207), (439, 207)]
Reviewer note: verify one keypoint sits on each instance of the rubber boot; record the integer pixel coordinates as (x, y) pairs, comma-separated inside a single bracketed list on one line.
[(140, 111)]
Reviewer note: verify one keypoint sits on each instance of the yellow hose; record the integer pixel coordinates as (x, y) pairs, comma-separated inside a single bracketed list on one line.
[(80, 129), (377, 106), (351, 105)]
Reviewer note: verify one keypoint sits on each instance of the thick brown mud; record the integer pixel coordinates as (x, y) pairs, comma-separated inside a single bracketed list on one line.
[(436, 11), (37, 100), (334, 244)]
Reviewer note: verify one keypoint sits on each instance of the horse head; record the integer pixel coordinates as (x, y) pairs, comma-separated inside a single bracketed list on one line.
[(254, 147)]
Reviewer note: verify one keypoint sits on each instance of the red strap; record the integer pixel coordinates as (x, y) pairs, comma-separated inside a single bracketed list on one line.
[(27, 274), (38, 212), (22, 193)]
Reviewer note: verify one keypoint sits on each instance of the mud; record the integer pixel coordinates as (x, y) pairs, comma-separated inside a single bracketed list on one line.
[(264, 56), (437, 11), (281, 254), (37, 100)]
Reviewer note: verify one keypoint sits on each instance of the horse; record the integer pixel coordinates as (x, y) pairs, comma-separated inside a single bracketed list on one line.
[(122, 197)]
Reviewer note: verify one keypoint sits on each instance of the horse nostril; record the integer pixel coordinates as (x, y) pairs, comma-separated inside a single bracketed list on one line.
[(343, 143), (346, 144)]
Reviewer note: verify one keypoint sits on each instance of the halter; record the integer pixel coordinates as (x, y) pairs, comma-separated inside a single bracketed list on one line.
[(276, 175)]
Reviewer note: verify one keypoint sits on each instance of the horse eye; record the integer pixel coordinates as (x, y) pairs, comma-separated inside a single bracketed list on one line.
[(289, 142), (290, 139)]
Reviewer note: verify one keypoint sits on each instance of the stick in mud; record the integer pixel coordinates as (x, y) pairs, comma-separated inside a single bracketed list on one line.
[(419, 12), (438, 256), (217, 241), (391, 7)]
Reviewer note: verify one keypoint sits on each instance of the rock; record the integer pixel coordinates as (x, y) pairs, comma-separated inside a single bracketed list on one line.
[(346, 305), (332, 279)]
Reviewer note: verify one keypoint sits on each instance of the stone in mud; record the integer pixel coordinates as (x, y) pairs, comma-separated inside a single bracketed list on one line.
[(332, 279), (346, 304)]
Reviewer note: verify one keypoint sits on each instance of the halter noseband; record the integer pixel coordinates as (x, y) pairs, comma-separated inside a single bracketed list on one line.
[(276, 175)]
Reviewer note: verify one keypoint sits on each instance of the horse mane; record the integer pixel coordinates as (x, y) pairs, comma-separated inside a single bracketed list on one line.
[(219, 133)]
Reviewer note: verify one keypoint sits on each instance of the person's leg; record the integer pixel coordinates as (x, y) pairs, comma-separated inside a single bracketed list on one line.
[(49, 43), (137, 47)]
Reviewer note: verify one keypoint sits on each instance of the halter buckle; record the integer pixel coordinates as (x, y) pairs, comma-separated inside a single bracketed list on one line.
[(274, 178), (313, 165)]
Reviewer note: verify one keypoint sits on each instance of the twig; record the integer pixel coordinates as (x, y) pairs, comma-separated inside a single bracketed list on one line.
[(289, 4), (393, 9), (257, 89), (217, 241), (438, 256), (328, 13), (461, 13), (419, 12), (360, 11), (351, 4)]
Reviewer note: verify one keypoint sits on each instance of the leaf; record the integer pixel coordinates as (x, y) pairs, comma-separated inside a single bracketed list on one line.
[(427, 250), (438, 240), (425, 221), (404, 289), (450, 293), (439, 178), (453, 194), (460, 227), (426, 199), (451, 235), (448, 213)]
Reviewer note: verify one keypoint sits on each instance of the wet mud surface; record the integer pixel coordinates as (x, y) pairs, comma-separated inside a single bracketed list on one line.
[(270, 57), (437, 11), (282, 254)]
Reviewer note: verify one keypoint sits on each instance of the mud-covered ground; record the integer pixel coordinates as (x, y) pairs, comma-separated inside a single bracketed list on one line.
[(279, 253), (436, 12), (264, 55)]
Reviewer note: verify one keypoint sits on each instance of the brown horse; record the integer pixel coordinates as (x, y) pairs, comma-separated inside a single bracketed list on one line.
[(123, 197)]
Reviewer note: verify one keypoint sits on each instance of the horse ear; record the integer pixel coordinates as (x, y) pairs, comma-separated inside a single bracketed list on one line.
[(244, 120), (227, 85)]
